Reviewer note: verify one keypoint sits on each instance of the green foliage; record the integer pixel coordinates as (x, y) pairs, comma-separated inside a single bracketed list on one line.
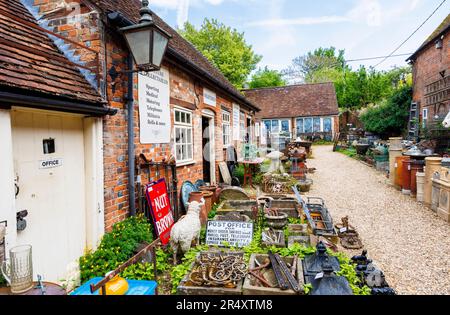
[(390, 118), (307, 287), (266, 78), (296, 221), (226, 48), (116, 247), (350, 152), (144, 271), (180, 271), (322, 142), (349, 272), (2, 280), (213, 211)]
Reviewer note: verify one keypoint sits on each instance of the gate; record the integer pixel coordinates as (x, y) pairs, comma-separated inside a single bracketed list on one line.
[(149, 171)]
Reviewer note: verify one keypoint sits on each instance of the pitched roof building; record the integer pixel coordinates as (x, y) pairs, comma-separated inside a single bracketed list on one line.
[(304, 110)]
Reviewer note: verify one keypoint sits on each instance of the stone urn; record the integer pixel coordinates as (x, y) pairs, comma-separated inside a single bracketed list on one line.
[(276, 221)]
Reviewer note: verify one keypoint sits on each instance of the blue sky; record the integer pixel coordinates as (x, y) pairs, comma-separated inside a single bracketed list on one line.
[(280, 30)]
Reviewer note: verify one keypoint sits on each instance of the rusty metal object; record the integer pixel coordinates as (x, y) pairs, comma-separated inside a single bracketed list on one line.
[(284, 269), (282, 283), (260, 278), (294, 265)]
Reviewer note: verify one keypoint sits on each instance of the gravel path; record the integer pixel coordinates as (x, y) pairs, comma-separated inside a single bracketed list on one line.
[(406, 240)]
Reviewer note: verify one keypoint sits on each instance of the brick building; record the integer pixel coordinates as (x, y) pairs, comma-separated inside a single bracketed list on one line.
[(63, 119), (305, 110), (431, 75)]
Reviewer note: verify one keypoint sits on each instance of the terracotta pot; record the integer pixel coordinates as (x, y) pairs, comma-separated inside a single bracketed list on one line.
[(406, 176), (416, 167), (195, 196), (208, 195), (398, 170), (212, 189)]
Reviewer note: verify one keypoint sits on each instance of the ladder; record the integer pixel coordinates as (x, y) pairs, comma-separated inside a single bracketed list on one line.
[(413, 123)]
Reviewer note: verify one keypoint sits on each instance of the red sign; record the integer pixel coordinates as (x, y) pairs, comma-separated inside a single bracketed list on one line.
[(158, 200)]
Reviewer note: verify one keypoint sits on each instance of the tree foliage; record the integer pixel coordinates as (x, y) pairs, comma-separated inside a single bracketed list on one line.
[(226, 48), (391, 116), (266, 78)]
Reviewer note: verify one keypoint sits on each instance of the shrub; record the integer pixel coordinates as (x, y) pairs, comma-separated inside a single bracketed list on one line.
[(116, 247), (391, 117)]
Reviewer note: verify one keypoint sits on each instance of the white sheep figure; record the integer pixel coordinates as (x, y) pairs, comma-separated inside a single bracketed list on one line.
[(187, 229)]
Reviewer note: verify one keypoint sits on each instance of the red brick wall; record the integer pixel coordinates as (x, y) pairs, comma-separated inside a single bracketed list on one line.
[(185, 91), (430, 61)]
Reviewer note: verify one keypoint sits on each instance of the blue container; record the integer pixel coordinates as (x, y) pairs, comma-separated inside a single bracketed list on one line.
[(135, 287)]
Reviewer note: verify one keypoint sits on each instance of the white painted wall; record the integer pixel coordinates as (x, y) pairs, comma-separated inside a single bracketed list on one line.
[(7, 191)]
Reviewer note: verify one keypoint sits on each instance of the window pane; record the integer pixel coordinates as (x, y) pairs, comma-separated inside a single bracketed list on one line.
[(267, 123), (275, 126), (183, 117), (177, 135), (316, 124), (308, 125), (299, 126), (285, 125), (178, 152), (327, 124), (189, 152), (177, 116), (188, 118), (183, 151), (189, 135)]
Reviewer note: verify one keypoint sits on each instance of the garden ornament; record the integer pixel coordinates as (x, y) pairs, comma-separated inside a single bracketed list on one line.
[(187, 229), (275, 162)]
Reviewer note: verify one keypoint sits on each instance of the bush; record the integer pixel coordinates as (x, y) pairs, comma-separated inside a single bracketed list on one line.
[(391, 117), (116, 247)]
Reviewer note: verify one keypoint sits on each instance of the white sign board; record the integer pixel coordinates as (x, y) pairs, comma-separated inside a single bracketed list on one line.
[(236, 117), (237, 234), (50, 163), (209, 97), (257, 129), (154, 106)]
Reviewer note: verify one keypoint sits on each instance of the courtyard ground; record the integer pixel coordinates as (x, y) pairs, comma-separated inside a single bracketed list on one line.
[(408, 241)]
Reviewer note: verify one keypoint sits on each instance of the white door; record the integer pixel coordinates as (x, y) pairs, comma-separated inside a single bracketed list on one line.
[(52, 188)]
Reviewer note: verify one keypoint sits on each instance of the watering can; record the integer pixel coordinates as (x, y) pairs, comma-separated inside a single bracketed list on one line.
[(18, 269)]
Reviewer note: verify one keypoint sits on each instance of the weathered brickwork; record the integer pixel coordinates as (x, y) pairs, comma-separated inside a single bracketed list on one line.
[(428, 67)]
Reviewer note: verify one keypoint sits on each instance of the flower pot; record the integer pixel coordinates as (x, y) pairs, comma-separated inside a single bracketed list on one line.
[(304, 185), (195, 196), (208, 196), (214, 190)]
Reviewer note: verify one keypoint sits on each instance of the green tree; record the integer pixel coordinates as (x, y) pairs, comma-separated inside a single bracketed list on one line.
[(266, 78), (226, 48), (320, 65), (390, 118)]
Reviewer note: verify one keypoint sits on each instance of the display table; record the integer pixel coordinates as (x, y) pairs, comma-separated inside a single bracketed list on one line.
[(249, 169), (135, 287)]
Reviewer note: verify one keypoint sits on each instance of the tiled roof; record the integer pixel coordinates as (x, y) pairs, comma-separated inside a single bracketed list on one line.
[(295, 100), (29, 60), (130, 9), (442, 28)]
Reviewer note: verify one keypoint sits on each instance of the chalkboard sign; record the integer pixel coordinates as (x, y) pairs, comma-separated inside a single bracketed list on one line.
[(233, 233)]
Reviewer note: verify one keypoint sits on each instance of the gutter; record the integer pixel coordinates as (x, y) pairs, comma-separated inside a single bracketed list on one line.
[(55, 104)]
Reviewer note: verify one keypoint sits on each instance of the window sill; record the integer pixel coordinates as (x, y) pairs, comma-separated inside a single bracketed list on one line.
[(185, 163)]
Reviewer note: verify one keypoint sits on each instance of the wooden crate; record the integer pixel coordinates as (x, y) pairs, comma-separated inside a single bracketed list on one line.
[(184, 289), (251, 289)]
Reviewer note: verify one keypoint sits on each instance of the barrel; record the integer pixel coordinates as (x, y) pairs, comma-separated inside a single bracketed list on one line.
[(416, 167), (398, 170), (406, 176)]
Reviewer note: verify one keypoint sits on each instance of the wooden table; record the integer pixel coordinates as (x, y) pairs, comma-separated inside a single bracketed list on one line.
[(249, 170), (50, 289)]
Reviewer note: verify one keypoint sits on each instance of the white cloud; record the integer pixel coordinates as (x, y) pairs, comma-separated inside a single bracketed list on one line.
[(300, 21), (368, 10)]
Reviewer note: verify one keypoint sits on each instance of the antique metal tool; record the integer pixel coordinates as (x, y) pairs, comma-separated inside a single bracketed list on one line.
[(287, 273), (282, 283)]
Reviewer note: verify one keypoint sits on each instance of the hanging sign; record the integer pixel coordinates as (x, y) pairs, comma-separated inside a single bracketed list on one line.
[(236, 234), (209, 97), (236, 117), (158, 201), (154, 106)]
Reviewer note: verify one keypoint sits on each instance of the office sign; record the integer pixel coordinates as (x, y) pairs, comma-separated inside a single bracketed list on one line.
[(154, 106), (237, 234), (159, 203), (50, 163), (209, 97)]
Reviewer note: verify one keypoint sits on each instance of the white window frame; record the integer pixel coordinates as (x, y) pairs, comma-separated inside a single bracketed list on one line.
[(226, 123), (312, 118), (424, 117), (186, 127), (279, 124), (243, 131)]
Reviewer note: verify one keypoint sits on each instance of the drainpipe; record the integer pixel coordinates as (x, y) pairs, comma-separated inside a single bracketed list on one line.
[(131, 159)]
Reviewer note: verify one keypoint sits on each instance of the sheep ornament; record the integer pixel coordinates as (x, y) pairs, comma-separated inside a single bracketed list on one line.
[(187, 229)]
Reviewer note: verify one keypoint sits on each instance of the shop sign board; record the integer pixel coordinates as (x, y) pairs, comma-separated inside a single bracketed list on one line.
[(233, 233), (159, 203), (154, 106), (209, 97)]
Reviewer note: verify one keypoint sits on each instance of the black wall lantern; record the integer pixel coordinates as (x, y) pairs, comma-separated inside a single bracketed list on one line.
[(147, 41)]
